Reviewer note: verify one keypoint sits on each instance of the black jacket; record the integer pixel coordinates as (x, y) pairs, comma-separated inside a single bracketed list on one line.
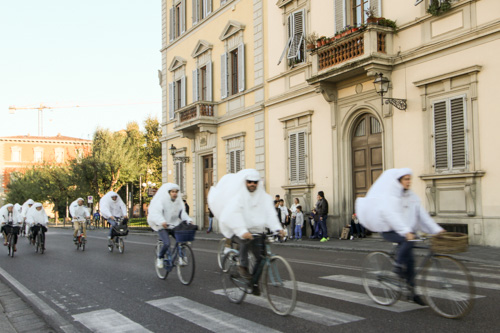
[(322, 207)]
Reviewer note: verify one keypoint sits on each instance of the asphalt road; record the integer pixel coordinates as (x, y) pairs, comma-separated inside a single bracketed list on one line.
[(95, 290)]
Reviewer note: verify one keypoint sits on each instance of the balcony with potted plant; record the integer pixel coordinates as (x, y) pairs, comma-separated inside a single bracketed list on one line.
[(200, 116)]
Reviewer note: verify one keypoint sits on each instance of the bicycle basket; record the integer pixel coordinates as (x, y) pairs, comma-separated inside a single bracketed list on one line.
[(450, 242), (183, 236), (120, 230)]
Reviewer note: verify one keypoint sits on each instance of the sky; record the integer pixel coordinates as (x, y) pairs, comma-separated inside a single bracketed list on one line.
[(104, 54)]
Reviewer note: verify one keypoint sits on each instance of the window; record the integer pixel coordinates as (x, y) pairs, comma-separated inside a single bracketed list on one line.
[(201, 9), (234, 161), (176, 95), (179, 176), (38, 154), (59, 155), (358, 11), (295, 46), (297, 157), (177, 19), (450, 134), (202, 83), (233, 72), (15, 154)]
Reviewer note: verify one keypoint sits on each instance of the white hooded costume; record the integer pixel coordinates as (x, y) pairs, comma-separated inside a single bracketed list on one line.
[(388, 207), (78, 213), (36, 216), (19, 209), (110, 207), (7, 217), (163, 210), (26, 207), (240, 211)]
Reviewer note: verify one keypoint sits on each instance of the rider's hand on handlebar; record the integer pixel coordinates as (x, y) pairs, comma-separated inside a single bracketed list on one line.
[(410, 236), (247, 235), (165, 225), (282, 233)]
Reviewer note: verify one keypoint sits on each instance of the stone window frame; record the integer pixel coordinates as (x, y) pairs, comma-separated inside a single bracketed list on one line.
[(235, 142), (202, 54), (173, 32), (344, 12), (18, 150), (201, 10), (299, 122), (178, 69), (35, 151), (61, 151), (232, 36), (180, 152)]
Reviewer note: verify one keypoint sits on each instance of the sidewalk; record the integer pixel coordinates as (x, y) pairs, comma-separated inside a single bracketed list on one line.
[(476, 253)]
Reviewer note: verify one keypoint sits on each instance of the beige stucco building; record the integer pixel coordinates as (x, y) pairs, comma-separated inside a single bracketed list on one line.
[(316, 113)]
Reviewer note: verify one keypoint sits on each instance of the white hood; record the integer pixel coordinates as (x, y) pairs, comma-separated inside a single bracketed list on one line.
[(26, 207), (4, 215), (35, 216), (109, 207), (163, 210), (78, 212)]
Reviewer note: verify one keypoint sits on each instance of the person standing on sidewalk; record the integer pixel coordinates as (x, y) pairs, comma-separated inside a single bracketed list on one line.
[(322, 211), (293, 210), (285, 221), (299, 222)]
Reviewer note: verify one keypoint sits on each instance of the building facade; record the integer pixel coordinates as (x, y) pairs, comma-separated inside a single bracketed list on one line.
[(325, 127), (22, 151)]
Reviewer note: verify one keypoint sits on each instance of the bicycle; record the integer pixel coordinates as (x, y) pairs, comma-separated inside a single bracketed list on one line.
[(447, 284), (119, 232), (274, 274), (11, 233), (40, 238), (80, 238), (223, 248), (23, 230), (182, 257)]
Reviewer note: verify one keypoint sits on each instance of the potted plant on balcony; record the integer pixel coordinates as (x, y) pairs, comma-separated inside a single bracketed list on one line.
[(388, 23), (438, 7), (311, 40), (370, 15)]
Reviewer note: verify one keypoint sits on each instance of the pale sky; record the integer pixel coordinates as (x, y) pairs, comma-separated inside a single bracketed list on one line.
[(73, 52)]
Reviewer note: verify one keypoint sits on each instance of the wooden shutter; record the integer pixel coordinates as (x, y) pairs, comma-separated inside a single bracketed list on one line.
[(440, 135), (196, 85), (183, 16), (457, 115), (208, 7), (237, 160), (293, 157), (296, 30), (196, 10), (223, 75), (171, 99), (209, 81), (172, 24), (241, 67), (231, 162), (183, 91), (301, 156)]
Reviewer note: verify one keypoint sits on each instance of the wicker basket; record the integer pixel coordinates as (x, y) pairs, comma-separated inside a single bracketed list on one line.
[(450, 242), (183, 236)]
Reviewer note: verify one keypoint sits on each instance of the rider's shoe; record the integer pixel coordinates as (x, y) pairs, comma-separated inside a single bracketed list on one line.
[(183, 261), (419, 300), (256, 290), (159, 262), (74, 239), (398, 270), (15, 248), (244, 272), (5, 243), (226, 249), (323, 240)]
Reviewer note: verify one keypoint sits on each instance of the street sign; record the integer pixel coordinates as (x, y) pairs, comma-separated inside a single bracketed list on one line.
[(90, 199)]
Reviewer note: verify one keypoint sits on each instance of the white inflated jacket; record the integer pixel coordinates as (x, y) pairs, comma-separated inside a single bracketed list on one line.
[(4, 215), (35, 216), (110, 207), (78, 212), (163, 210)]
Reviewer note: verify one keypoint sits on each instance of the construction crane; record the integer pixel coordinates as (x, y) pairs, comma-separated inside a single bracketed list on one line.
[(42, 107)]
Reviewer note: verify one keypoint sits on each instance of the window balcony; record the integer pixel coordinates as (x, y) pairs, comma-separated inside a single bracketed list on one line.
[(352, 54), (196, 116)]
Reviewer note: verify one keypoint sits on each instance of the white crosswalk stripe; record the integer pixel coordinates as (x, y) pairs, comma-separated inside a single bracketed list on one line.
[(435, 292), (306, 311), (207, 317), (109, 321)]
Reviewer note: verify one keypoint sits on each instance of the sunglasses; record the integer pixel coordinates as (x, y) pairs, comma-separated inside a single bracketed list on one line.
[(252, 181)]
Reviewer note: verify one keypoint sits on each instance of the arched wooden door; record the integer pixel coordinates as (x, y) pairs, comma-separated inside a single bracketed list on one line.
[(367, 154)]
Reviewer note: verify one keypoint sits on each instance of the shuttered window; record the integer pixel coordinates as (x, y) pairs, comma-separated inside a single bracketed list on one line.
[(234, 161), (295, 46), (450, 146), (201, 9), (179, 175), (233, 71), (177, 20), (297, 157)]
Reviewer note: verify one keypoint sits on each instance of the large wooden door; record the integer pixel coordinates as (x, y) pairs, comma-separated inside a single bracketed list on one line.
[(367, 158), (208, 181)]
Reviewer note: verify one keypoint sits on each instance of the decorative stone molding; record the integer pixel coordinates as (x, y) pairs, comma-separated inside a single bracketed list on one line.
[(176, 63), (201, 47), (328, 90), (231, 28)]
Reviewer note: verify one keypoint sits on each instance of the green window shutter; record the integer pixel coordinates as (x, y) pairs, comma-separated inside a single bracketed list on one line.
[(458, 147), (440, 135)]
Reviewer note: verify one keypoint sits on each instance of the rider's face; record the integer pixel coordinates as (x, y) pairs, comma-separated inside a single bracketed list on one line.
[(80, 202), (39, 208), (173, 194), (405, 181), (252, 185), (114, 197), (10, 208)]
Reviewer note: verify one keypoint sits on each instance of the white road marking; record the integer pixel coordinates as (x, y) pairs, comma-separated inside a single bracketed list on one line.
[(108, 321), (306, 311), (206, 317)]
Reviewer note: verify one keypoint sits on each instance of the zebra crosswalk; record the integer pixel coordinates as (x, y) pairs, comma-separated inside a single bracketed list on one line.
[(330, 287)]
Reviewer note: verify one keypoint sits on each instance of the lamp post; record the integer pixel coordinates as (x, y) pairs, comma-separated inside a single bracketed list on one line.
[(381, 84), (173, 151)]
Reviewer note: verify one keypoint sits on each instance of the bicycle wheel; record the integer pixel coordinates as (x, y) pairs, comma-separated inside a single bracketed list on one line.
[(161, 273), (234, 286), (121, 245), (185, 264), (380, 282), (37, 242), (220, 252), (42, 242), (9, 247), (448, 287), (280, 285), (12, 241), (83, 243)]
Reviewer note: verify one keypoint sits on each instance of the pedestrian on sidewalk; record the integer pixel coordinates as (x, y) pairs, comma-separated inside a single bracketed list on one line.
[(293, 214), (299, 222), (285, 221), (210, 221), (314, 223), (356, 228), (322, 211)]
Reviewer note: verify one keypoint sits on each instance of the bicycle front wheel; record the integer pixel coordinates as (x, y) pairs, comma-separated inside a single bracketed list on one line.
[(280, 285), (234, 285), (448, 287), (37, 242), (121, 245), (220, 251), (185, 264), (161, 273), (10, 240), (42, 242), (83, 243), (380, 282)]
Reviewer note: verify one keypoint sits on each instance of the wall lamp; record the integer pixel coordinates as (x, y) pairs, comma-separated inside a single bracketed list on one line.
[(173, 150), (382, 87)]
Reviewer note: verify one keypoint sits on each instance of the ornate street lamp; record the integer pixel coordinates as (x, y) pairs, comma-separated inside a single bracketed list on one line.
[(381, 84), (173, 150)]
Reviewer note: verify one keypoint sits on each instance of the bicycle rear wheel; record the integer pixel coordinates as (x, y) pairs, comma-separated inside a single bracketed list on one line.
[(185, 264), (161, 273), (121, 245), (11, 245), (280, 285), (42, 242), (380, 282), (448, 287), (234, 285), (83, 243)]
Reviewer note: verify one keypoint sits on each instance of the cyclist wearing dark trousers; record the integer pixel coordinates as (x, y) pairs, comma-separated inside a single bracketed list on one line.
[(113, 208), (391, 208), (166, 211), (11, 222), (80, 214), (243, 208), (36, 216)]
